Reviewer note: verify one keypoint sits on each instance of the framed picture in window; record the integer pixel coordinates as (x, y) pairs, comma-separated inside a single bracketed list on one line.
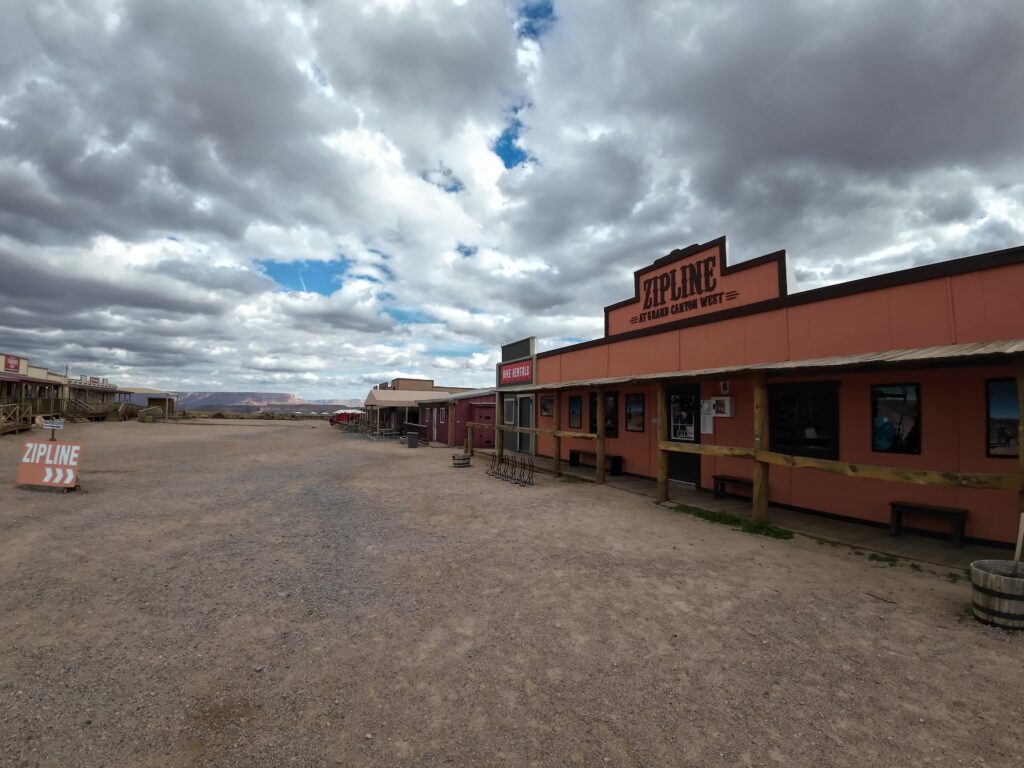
[(896, 418), (1003, 419), (576, 412), (547, 406), (510, 410), (635, 413)]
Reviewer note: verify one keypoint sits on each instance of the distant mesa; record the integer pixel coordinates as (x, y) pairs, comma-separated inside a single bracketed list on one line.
[(251, 402)]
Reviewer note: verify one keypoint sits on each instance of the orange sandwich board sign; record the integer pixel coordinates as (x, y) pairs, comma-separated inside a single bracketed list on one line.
[(50, 464)]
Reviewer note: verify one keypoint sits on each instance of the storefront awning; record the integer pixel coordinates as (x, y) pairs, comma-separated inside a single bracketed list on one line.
[(977, 353), (401, 398)]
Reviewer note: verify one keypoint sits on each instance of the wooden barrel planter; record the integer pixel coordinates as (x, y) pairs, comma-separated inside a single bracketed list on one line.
[(998, 593), (460, 459)]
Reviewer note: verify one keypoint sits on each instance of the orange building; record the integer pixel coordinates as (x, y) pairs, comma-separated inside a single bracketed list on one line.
[(914, 371)]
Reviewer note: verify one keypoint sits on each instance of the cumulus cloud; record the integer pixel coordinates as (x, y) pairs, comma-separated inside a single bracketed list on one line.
[(466, 173)]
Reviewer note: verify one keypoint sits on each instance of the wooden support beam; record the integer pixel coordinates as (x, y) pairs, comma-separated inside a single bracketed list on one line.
[(499, 419), (705, 449), (556, 464), (760, 494), (662, 477), (915, 476), (545, 432), (1020, 457), (599, 474), (451, 425), (469, 440)]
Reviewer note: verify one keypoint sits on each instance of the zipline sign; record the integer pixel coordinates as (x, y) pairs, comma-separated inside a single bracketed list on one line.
[(51, 464)]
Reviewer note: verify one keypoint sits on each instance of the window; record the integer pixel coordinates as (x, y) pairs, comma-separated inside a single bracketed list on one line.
[(443, 414), (1003, 418), (635, 413), (547, 406), (510, 410), (804, 419), (611, 413), (576, 412), (896, 418)]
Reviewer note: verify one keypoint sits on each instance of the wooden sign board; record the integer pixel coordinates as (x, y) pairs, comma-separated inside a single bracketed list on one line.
[(51, 464)]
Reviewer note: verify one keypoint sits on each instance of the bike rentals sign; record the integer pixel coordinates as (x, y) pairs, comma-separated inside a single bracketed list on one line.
[(50, 464)]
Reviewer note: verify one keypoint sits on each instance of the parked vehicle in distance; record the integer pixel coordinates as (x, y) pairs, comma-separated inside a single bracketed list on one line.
[(344, 416)]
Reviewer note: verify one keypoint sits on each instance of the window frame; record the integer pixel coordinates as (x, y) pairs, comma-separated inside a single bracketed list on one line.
[(831, 450), (547, 405), (508, 414), (917, 423), (988, 418), (611, 415)]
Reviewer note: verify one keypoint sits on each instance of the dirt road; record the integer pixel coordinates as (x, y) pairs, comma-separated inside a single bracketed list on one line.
[(276, 594)]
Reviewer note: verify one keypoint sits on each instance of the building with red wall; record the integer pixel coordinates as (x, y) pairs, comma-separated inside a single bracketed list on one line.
[(445, 418), (912, 370)]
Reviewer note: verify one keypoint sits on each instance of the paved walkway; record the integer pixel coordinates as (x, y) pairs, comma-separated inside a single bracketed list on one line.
[(862, 536)]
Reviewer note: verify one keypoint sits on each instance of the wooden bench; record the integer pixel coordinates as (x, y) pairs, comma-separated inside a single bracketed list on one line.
[(721, 480), (958, 516), (614, 462)]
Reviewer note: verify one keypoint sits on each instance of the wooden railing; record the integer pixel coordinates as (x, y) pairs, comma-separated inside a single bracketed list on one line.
[(129, 410), (151, 413), (14, 415), (1006, 482)]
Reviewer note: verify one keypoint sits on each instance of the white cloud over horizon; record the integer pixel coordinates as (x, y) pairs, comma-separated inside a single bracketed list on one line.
[(305, 196)]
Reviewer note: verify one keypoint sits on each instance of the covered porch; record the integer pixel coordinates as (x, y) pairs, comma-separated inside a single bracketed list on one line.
[(757, 451)]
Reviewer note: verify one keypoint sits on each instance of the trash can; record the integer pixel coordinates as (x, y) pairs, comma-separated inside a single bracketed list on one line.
[(413, 438)]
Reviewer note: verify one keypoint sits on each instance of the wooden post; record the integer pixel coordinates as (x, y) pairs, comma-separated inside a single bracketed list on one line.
[(556, 464), (599, 475), (499, 419), (469, 440), (451, 425), (760, 492), (662, 411), (1020, 459)]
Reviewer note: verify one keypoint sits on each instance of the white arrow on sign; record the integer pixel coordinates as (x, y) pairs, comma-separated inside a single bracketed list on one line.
[(47, 474), (58, 474), (70, 476)]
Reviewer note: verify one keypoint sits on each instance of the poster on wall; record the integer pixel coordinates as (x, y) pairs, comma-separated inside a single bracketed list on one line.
[(12, 364), (635, 413), (683, 418), (575, 412)]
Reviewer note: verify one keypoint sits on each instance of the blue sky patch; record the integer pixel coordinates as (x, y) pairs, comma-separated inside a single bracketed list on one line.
[(466, 250), (535, 18), (507, 149), (407, 316), (323, 277)]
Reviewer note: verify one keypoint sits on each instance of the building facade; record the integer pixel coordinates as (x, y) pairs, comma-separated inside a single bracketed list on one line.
[(915, 371)]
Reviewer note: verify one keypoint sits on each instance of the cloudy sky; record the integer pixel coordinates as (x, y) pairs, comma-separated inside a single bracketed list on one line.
[(312, 197)]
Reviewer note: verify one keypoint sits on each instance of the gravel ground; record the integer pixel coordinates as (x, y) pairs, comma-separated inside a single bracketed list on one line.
[(276, 594)]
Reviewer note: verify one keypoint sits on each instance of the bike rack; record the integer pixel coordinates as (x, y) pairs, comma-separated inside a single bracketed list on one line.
[(512, 469)]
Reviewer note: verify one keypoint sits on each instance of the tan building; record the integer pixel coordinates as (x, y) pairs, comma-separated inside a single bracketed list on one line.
[(392, 407), (29, 391)]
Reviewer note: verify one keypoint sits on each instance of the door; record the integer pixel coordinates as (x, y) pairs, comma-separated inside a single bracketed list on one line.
[(433, 425), (524, 406), (683, 410)]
